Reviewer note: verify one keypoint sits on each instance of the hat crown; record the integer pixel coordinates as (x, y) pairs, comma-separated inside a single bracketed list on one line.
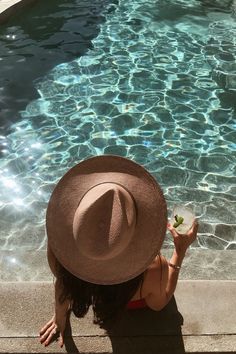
[(104, 221), (137, 209)]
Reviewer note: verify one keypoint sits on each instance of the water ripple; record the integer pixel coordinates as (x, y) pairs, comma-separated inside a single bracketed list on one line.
[(158, 86)]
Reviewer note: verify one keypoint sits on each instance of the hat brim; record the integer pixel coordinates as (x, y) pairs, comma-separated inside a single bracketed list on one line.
[(150, 228)]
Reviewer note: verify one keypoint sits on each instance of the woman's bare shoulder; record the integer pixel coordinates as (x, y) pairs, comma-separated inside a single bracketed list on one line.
[(157, 263), (151, 276), (155, 283)]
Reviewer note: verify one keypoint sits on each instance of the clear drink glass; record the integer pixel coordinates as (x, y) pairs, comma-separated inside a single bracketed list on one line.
[(182, 219)]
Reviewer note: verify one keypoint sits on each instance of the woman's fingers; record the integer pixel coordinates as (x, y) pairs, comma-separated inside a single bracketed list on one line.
[(46, 340), (47, 325), (50, 336), (49, 331), (172, 230), (52, 329), (183, 241), (194, 228)]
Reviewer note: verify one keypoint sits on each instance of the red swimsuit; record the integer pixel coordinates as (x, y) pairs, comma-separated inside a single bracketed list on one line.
[(136, 304)]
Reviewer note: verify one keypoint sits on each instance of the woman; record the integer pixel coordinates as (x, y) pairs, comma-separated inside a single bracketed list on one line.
[(106, 221)]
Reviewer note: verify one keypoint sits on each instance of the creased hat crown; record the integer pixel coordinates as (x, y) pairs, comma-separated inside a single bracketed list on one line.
[(104, 221)]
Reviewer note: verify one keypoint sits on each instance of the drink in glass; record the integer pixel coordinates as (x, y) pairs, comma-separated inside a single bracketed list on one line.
[(182, 219)]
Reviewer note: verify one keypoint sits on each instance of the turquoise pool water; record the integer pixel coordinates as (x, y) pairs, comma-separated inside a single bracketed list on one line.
[(158, 85)]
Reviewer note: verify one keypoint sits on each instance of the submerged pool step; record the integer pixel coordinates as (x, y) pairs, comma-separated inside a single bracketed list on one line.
[(201, 319)]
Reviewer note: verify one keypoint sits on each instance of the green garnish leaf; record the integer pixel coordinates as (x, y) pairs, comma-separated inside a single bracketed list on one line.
[(179, 220)]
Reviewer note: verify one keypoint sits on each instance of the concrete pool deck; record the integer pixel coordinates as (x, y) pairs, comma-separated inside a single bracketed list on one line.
[(202, 320), (206, 308)]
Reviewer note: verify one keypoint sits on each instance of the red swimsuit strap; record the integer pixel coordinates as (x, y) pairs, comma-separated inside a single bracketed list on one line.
[(136, 304)]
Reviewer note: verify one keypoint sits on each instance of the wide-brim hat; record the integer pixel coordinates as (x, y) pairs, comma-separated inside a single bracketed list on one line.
[(106, 220)]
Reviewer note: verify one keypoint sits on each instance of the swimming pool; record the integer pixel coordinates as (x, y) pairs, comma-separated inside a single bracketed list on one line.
[(158, 85)]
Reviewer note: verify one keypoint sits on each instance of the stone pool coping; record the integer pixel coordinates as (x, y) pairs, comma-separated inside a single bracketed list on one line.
[(203, 321), (10, 7)]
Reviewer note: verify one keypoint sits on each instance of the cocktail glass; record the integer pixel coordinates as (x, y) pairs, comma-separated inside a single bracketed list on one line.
[(182, 219)]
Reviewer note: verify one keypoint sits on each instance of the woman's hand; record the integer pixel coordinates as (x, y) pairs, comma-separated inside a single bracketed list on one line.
[(52, 328), (182, 242), (55, 328)]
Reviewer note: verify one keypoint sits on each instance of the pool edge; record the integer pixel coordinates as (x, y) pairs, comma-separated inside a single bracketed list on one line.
[(199, 264), (209, 325)]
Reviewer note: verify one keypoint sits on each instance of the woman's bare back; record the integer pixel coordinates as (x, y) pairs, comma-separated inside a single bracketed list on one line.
[(153, 287)]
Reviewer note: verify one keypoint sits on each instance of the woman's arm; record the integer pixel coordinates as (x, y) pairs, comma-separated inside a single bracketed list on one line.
[(173, 274), (161, 293), (58, 322)]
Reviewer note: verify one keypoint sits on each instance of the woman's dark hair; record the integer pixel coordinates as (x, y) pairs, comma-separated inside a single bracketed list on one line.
[(107, 301)]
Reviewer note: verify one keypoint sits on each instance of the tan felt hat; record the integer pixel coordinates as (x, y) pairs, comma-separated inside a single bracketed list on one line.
[(106, 220)]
